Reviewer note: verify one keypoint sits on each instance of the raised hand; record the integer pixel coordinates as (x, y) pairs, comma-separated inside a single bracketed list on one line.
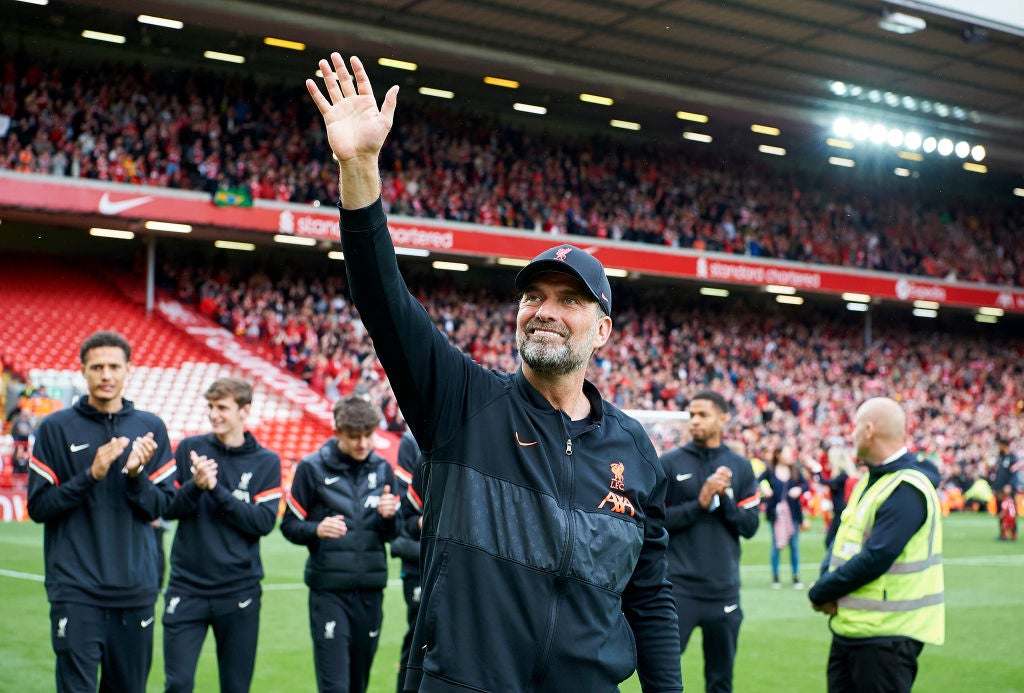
[(356, 128)]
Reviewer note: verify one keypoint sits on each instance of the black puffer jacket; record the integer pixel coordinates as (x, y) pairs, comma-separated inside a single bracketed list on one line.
[(328, 483)]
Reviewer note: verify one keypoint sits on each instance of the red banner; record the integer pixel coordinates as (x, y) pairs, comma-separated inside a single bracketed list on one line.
[(86, 201)]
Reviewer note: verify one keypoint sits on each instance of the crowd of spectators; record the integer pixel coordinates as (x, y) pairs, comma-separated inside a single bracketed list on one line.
[(788, 380), (202, 130), (791, 376)]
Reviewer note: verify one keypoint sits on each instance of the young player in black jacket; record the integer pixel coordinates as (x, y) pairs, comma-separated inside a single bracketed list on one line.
[(229, 488), (96, 492), (712, 501), (544, 564), (342, 509)]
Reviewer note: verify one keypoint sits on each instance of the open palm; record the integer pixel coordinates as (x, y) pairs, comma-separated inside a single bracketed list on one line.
[(356, 128)]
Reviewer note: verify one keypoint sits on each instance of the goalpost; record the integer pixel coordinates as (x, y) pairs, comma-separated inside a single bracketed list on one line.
[(666, 429)]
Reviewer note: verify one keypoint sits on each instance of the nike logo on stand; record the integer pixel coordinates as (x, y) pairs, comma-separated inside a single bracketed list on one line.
[(147, 623), (242, 605), (331, 480), (80, 446), (108, 206), (683, 477), (732, 607)]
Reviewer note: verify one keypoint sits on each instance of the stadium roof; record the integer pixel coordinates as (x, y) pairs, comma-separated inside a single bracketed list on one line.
[(791, 64)]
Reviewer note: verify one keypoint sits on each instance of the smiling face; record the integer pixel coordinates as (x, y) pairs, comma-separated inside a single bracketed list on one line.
[(105, 369), (559, 326), (227, 419)]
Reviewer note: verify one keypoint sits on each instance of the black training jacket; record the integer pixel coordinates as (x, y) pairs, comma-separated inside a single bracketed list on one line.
[(216, 550), (98, 545), (703, 546), (328, 483), (544, 565)]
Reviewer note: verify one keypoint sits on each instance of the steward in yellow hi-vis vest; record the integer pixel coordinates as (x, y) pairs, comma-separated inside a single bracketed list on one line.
[(907, 599), (881, 581)]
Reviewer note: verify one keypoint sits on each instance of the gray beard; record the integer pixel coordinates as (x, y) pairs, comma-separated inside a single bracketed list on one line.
[(550, 359)]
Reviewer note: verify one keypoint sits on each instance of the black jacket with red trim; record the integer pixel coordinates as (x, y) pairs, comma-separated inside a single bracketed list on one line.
[(703, 545), (328, 482), (544, 555), (98, 545), (407, 544), (216, 550)]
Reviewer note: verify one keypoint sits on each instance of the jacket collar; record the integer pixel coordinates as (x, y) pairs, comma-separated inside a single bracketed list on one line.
[(703, 450), (248, 445), (83, 407), (335, 460), (908, 460), (537, 400)]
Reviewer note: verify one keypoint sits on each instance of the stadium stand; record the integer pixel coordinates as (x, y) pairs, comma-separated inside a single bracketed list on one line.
[(171, 369), (204, 131), (789, 375), (796, 378)]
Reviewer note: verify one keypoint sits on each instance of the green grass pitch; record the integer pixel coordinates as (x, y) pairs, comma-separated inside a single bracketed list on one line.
[(783, 644)]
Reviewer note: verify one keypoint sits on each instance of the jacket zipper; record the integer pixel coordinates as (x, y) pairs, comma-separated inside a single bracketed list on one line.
[(545, 652)]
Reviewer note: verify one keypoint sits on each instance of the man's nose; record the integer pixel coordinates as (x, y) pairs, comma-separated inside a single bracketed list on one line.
[(542, 310)]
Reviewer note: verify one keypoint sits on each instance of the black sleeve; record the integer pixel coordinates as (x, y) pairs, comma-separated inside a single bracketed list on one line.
[(435, 383), (52, 489), (387, 527), (295, 523), (186, 499), (741, 512), (406, 545)]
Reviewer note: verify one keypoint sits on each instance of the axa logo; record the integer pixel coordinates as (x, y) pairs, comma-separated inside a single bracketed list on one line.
[(620, 504), (562, 253), (618, 483), (618, 501)]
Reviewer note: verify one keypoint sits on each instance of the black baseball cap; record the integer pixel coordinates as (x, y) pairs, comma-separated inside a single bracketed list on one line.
[(568, 259)]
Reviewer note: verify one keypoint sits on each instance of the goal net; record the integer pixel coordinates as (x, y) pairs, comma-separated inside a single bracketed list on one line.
[(666, 429)]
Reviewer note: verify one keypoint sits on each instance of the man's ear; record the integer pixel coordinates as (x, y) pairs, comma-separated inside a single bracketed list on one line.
[(604, 332)]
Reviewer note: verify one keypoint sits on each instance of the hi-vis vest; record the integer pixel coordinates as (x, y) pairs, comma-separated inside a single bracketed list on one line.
[(908, 599)]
